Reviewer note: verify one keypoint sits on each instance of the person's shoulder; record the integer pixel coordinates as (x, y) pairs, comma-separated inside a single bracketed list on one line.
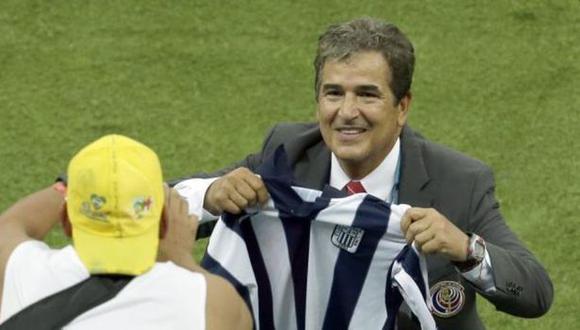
[(180, 276), (291, 134), (282, 131), (442, 158), (29, 250)]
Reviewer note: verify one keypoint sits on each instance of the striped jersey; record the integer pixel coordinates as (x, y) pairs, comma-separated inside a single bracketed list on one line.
[(312, 259)]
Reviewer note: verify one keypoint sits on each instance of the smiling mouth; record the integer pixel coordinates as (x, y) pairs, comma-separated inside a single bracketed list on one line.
[(351, 130)]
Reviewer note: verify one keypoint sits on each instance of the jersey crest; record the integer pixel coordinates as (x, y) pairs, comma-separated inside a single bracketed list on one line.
[(347, 238)]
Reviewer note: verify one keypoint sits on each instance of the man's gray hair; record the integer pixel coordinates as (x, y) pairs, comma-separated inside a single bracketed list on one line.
[(367, 34)]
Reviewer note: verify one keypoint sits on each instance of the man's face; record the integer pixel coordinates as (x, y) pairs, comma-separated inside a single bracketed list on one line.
[(358, 117)]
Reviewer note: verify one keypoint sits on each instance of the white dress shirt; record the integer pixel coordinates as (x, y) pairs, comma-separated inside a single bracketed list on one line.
[(379, 182)]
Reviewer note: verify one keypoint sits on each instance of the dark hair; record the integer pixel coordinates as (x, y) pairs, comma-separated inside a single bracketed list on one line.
[(366, 34)]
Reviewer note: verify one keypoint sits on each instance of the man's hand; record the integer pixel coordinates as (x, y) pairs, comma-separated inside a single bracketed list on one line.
[(178, 230), (434, 233), (234, 192)]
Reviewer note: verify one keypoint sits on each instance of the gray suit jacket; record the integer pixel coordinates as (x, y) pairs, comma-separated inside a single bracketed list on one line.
[(459, 187)]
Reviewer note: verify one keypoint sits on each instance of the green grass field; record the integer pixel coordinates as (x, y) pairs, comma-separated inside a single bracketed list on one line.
[(201, 82)]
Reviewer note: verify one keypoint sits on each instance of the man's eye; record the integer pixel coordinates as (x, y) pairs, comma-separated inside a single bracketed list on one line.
[(333, 93), (368, 95)]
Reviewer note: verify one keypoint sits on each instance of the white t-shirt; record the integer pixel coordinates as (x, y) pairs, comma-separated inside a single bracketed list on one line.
[(166, 297)]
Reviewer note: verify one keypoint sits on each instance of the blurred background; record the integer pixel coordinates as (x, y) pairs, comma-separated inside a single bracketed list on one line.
[(202, 82)]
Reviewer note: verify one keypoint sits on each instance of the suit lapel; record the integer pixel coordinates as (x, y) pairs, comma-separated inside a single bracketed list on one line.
[(315, 171), (414, 187), (310, 159)]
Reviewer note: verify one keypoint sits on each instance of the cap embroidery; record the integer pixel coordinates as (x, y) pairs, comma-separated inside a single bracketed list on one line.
[(142, 206), (91, 208)]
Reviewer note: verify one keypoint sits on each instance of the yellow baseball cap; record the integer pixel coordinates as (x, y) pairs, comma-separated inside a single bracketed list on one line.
[(114, 202)]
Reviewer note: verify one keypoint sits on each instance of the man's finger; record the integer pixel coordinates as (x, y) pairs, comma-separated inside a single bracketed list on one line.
[(237, 198), (416, 213), (167, 193), (416, 228), (177, 201), (247, 192), (254, 181), (411, 215), (183, 205), (259, 188), (424, 237), (263, 196), (231, 207), (430, 247)]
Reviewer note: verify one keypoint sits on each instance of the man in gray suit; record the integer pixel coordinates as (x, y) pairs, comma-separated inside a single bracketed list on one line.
[(364, 71)]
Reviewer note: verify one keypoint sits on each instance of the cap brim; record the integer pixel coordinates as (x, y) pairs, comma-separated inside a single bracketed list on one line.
[(117, 255)]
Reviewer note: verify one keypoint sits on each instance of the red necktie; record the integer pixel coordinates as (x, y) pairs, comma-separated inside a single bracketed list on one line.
[(354, 187)]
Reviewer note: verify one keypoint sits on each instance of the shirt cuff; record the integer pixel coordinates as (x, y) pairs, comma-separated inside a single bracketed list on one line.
[(193, 191), (481, 276)]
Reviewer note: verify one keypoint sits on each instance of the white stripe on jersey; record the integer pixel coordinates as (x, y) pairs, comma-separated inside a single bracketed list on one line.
[(236, 261), (278, 268)]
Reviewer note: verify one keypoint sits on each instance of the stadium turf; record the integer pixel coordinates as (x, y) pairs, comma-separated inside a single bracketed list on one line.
[(201, 82)]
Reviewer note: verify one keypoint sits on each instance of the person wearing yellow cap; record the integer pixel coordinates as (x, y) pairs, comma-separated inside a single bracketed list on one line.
[(130, 264)]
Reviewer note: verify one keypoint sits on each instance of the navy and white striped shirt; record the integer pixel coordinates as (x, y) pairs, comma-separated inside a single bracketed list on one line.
[(312, 259)]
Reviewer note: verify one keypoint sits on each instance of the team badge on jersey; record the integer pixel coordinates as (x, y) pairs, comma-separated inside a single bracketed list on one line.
[(347, 238), (447, 298)]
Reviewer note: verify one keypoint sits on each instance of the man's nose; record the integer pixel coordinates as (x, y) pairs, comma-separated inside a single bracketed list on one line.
[(349, 107)]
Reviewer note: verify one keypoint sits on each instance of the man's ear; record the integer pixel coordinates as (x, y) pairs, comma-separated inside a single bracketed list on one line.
[(66, 225), (163, 224), (404, 108)]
